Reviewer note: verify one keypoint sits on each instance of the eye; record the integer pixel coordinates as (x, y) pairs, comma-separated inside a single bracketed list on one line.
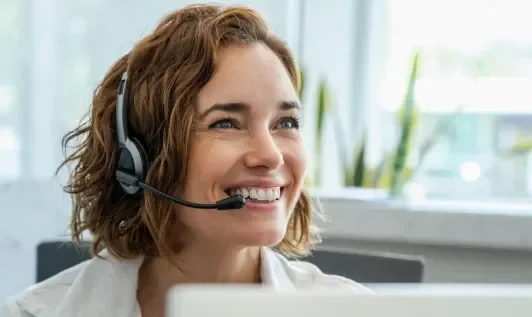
[(224, 124), (289, 123)]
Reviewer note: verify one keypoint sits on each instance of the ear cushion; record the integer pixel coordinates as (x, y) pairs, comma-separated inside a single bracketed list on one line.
[(132, 160), (141, 158)]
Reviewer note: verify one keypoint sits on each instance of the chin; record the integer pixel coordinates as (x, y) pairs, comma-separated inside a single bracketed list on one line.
[(262, 237)]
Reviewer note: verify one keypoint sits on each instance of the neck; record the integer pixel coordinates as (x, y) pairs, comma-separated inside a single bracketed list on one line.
[(196, 264), (214, 265)]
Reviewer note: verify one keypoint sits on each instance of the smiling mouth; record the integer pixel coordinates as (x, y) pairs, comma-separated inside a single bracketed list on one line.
[(256, 194)]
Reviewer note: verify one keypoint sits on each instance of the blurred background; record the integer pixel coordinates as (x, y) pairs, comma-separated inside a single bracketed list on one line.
[(417, 122)]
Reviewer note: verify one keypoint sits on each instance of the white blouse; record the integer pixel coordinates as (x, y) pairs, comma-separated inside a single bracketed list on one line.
[(108, 287)]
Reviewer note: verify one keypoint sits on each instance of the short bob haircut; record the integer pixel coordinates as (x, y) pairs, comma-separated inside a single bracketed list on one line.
[(166, 71)]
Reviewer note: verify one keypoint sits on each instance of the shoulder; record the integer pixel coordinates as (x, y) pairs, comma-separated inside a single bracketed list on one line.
[(41, 296), (96, 287), (305, 275)]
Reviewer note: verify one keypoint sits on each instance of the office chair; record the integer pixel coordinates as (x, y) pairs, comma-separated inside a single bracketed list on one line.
[(370, 267), (56, 256)]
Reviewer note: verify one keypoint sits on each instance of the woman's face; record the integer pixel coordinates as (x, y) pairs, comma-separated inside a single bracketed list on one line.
[(247, 142)]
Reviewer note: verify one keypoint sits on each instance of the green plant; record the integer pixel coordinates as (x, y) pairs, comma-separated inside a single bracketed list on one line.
[(302, 81), (392, 172), (323, 106), (408, 120)]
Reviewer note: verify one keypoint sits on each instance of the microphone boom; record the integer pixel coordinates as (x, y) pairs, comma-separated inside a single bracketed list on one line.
[(233, 202)]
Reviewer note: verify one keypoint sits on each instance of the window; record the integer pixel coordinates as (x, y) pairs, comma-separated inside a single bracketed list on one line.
[(331, 54), (476, 76), (12, 76)]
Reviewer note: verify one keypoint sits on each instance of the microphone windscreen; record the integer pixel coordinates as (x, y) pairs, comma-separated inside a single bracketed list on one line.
[(233, 202)]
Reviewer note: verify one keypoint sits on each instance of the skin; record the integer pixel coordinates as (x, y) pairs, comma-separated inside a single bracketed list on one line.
[(256, 140)]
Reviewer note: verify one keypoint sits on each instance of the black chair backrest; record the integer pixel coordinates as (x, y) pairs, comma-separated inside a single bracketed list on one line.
[(369, 267), (56, 256)]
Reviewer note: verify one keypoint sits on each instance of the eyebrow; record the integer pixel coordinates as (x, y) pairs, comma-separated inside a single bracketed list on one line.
[(239, 107)]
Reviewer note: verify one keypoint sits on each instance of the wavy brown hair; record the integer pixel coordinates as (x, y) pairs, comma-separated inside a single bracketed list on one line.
[(166, 71)]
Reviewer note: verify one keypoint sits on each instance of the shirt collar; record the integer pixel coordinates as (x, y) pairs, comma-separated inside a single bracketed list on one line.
[(273, 271)]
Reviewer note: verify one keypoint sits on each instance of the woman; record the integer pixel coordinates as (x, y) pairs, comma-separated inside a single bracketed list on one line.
[(211, 98)]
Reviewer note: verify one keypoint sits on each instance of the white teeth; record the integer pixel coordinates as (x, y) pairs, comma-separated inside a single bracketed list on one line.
[(261, 194), (269, 194), (253, 193)]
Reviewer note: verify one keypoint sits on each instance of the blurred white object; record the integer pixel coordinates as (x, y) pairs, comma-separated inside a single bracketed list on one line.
[(470, 171), (234, 301)]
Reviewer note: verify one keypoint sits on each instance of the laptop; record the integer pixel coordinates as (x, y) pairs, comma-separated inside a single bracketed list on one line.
[(246, 301)]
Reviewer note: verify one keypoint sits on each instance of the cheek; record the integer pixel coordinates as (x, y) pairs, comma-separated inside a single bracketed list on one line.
[(296, 162), (209, 162)]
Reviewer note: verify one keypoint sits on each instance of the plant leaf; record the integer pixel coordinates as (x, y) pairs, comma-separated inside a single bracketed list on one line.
[(342, 149), (379, 171), (359, 164), (301, 84), (406, 128), (322, 107)]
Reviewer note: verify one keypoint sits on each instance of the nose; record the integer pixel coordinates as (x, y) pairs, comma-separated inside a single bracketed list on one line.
[(263, 152)]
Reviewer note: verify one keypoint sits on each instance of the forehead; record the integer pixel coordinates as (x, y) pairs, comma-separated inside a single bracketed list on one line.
[(247, 73)]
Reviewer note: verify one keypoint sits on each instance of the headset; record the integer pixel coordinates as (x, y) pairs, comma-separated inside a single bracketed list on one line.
[(132, 160)]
